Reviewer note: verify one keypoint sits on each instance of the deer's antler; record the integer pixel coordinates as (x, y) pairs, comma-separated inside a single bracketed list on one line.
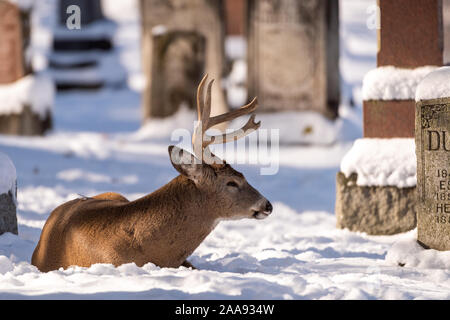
[(201, 140)]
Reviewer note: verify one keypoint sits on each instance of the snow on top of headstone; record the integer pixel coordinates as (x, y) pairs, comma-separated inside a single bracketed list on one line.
[(7, 175), (435, 85), (36, 91), (391, 83), (382, 162)]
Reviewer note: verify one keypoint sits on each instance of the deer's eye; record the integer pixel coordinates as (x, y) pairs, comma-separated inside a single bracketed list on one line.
[(232, 184)]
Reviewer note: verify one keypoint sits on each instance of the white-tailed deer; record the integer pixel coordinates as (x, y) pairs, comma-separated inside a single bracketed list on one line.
[(166, 226)]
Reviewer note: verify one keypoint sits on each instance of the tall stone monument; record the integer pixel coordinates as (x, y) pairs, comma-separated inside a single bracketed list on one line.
[(189, 25), (293, 55), (433, 159), (21, 93), (410, 46)]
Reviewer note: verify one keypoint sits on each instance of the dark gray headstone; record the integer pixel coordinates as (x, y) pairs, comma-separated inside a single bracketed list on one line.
[(8, 192)]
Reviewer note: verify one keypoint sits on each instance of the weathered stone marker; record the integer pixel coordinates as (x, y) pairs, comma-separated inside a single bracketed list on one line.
[(8, 191), (178, 18), (433, 161), (293, 55), (177, 66)]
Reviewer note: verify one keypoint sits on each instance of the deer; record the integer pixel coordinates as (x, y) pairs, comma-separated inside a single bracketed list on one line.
[(167, 225)]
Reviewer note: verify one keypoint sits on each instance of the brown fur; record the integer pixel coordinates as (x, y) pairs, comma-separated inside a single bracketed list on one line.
[(164, 227)]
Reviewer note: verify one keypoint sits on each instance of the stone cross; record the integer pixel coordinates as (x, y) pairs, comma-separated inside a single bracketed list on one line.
[(410, 36), (11, 48), (178, 18), (293, 55)]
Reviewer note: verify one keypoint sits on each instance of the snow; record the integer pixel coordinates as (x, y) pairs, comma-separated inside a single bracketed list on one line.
[(391, 83), (407, 252), (107, 70), (7, 175), (382, 162), (435, 85), (297, 253), (35, 91)]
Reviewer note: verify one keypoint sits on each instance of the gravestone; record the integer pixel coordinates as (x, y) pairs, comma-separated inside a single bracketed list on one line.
[(8, 193), (409, 38), (404, 26), (11, 47), (82, 58), (293, 55), (205, 18), (433, 162), (17, 112), (177, 66)]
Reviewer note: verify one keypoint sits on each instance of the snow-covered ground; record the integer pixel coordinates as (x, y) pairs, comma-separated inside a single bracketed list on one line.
[(297, 253)]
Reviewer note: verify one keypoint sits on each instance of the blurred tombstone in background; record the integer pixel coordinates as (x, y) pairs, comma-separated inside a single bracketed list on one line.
[(377, 194), (293, 55), (177, 67), (25, 98), (8, 194), (83, 56), (197, 28)]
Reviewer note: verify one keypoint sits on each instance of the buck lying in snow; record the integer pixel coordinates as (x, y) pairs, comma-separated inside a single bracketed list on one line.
[(166, 226)]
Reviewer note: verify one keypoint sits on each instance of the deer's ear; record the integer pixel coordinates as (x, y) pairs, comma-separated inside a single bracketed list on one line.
[(186, 164)]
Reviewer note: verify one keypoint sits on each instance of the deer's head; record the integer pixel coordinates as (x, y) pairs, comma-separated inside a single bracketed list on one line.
[(231, 196)]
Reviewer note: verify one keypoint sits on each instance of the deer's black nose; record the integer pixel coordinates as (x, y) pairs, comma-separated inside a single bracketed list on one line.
[(269, 207)]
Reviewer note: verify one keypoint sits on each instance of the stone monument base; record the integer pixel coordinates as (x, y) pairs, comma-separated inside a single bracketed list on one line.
[(383, 210), (26, 123)]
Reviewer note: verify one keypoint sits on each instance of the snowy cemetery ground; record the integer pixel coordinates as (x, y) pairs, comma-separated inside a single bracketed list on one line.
[(297, 253)]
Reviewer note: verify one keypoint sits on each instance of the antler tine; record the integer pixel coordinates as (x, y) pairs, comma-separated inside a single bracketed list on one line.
[(249, 108), (200, 101), (248, 128), (207, 107)]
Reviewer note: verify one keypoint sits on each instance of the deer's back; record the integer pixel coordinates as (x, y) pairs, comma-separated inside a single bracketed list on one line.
[(79, 232)]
